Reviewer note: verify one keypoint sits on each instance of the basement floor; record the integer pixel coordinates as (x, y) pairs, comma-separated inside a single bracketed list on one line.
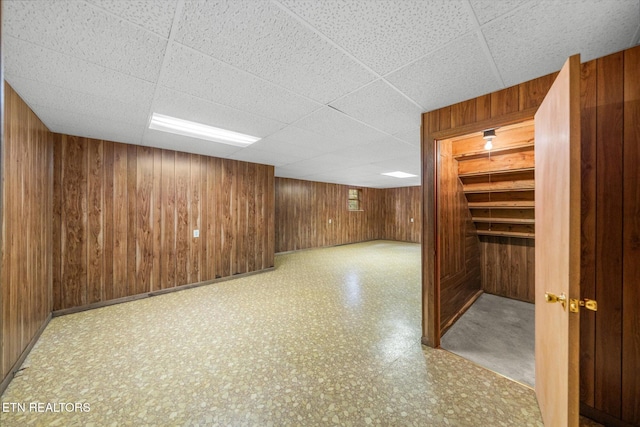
[(497, 333), (331, 337)]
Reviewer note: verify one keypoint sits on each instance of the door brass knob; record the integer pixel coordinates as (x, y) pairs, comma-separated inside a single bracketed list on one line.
[(551, 298)]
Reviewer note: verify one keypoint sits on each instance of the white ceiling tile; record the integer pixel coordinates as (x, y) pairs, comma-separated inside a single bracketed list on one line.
[(274, 158), (322, 163), (458, 72), (385, 34), (63, 101), (188, 107), (408, 164), (293, 141), (537, 39), (268, 67), (378, 151), (85, 32), (486, 10), (381, 106), (262, 39), (199, 75), (293, 171), (89, 126), (30, 62), (154, 15), (341, 130), (169, 141), (412, 136)]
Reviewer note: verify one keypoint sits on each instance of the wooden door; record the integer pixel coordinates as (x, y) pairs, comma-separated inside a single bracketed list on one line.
[(557, 247)]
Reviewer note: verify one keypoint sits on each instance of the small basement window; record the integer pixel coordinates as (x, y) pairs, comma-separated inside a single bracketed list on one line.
[(354, 199)]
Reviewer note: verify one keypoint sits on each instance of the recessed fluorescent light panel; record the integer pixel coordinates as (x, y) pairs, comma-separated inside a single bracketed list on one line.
[(398, 174), (198, 130)]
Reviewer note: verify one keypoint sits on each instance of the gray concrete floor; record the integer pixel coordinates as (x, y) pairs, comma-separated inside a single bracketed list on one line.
[(497, 333)]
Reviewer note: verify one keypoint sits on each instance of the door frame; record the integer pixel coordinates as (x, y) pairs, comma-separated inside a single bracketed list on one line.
[(430, 154)]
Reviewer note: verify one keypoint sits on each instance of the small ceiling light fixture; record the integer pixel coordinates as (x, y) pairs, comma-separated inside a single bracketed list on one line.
[(398, 174), (488, 135), (198, 130)]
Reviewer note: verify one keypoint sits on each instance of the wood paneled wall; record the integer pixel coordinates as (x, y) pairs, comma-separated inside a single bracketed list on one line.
[(124, 217), (304, 208), (508, 267), (507, 106), (459, 259), (26, 228), (400, 205), (610, 338)]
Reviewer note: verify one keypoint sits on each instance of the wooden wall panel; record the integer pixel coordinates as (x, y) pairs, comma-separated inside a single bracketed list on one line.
[(507, 267), (459, 245), (609, 192), (631, 240), (95, 224), (27, 207), (132, 221), (108, 235), (588, 230), (74, 222), (400, 205), (146, 202), (303, 210), (143, 233), (119, 218)]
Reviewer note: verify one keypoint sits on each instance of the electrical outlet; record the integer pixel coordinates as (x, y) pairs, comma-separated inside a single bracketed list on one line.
[(411, 219), (329, 221), (196, 233)]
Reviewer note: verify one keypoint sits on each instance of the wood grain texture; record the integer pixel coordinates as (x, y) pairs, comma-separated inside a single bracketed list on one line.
[(505, 101), (95, 224), (27, 209), (557, 251), (609, 205), (631, 240), (399, 207), (506, 264), (588, 259), (459, 245), (303, 210), (119, 219), (146, 202)]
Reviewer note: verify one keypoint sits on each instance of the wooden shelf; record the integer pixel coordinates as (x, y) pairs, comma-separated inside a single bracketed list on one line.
[(500, 186), (515, 204), (495, 172), (506, 234), (494, 151), (504, 220)]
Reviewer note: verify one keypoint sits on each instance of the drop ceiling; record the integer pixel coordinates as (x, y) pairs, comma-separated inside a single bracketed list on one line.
[(335, 88)]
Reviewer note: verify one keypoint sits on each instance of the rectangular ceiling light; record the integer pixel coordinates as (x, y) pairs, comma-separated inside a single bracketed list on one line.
[(398, 174), (198, 130)]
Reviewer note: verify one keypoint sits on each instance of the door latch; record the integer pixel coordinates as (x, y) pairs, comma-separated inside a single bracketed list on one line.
[(550, 297), (589, 304)]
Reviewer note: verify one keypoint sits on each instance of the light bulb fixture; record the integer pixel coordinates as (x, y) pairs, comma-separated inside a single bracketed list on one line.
[(200, 131), (488, 135)]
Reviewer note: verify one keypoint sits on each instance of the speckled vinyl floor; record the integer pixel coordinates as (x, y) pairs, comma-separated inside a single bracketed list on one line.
[(331, 337)]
